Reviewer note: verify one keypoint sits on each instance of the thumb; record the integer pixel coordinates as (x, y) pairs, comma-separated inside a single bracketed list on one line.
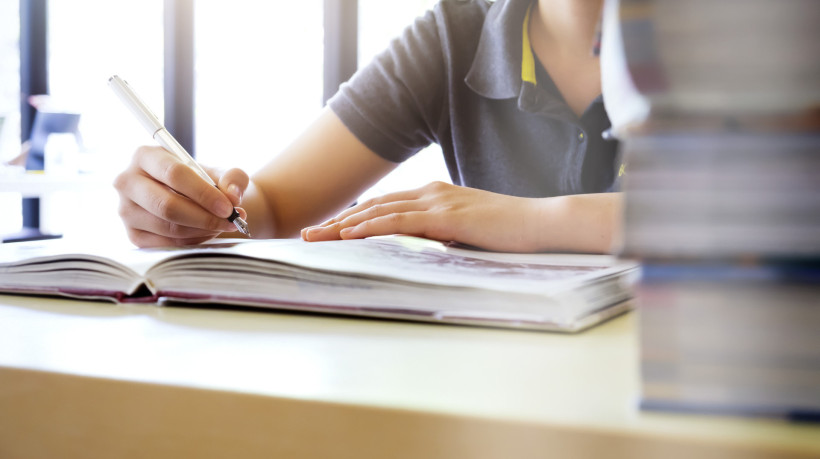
[(233, 183)]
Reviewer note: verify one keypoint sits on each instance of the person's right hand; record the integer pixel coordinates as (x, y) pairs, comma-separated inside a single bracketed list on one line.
[(163, 202)]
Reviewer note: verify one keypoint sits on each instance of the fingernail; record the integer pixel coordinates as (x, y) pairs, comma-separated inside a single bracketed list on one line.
[(346, 231), (233, 190), (313, 233)]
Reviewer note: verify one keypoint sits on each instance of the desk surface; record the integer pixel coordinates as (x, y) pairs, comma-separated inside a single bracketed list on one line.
[(179, 380)]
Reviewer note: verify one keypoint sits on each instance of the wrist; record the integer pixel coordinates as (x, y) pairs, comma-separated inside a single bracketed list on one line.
[(578, 223)]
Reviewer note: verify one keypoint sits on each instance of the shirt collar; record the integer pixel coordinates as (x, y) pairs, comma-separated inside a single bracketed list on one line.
[(527, 59), (501, 56), (504, 66)]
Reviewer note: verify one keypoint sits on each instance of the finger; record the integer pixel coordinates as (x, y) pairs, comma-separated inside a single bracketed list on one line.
[(318, 233), (214, 172), (135, 217), (165, 168), (406, 195), (381, 210), (233, 183), (411, 223), (167, 205), (331, 232)]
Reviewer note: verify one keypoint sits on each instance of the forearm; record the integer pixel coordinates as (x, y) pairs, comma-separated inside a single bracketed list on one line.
[(323, 171), (261, 221), (278, 211), (587, 223)]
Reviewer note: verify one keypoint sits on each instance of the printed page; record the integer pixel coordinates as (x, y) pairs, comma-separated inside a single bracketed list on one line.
[(401, 277), (429, 262)]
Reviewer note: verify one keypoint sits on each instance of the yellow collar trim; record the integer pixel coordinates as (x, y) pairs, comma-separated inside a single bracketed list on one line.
[(527, 59)]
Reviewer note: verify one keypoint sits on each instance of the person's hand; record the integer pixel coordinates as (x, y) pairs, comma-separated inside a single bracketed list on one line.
[(163, 202), (443, 212)]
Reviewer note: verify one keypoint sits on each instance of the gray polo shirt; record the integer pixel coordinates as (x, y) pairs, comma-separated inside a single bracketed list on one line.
[(458, 77)]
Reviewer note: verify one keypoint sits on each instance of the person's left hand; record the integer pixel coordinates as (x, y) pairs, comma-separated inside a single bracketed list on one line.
[(443, 212)]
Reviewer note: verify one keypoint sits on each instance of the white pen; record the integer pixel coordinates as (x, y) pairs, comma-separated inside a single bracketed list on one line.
[(164, 138)]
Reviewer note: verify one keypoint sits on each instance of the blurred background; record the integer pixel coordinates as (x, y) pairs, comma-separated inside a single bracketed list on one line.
[(258, 70)]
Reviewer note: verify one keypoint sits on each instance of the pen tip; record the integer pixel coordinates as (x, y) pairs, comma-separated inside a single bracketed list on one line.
[(242, 226)]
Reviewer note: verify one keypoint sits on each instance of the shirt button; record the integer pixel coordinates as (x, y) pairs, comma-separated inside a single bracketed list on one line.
[(581, 137)]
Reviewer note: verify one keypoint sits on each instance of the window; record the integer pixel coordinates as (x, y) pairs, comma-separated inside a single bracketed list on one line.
[(84, 50), (12, 219), (124, 38), (258, 78), (10, 76)]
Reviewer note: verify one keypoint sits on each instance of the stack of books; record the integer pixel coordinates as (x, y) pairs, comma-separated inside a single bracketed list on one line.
[(722, 192)]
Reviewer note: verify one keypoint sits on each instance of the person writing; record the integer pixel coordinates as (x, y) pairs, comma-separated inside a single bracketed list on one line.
[(509, 89)]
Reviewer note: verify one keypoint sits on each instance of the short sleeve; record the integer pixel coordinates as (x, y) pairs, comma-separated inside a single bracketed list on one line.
[(395, 103)]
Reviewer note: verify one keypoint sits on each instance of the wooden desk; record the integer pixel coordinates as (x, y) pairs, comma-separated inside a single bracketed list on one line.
[(83, 379)]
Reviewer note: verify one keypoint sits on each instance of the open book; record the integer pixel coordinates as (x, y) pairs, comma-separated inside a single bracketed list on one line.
[(393, 277)]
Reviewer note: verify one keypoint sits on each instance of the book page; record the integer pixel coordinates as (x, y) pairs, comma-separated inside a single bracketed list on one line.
[(102, 268), (429, 262)]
